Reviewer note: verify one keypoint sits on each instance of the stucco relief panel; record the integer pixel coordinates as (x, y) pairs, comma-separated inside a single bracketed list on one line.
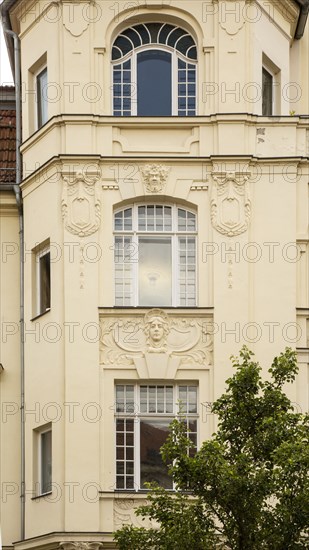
[(80, 545), (230, 202), (124, 513), (157, 343), (232, 15), (77, 16), (81, 204)]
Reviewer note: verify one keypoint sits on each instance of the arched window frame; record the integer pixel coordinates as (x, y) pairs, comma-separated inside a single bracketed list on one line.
[(126, 257), (181, 66)]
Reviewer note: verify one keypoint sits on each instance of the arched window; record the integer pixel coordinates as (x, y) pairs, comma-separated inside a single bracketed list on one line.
[(154, 71), (155, 256)]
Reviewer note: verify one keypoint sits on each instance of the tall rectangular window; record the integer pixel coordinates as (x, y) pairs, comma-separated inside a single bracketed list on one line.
[(41, 93), (143, 415), (43, 281), (267, 93), (45, 461)]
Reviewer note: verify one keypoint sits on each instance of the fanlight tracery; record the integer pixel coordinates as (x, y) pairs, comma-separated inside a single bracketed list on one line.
[(154, 71)]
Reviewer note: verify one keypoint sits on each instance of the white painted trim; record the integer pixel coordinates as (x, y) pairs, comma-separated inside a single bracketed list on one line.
[(38, 255), (35, 76)]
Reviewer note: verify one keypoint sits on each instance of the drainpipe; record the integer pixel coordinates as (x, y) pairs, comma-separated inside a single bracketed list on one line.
[(16, 187)]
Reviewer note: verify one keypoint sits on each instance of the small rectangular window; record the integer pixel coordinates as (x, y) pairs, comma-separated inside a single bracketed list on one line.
[(43, 281), (46, 461), (41, 92), (267, 93)]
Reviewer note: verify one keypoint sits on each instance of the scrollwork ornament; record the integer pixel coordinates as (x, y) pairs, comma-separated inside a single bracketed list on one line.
[(230, 204), (80, 545), (124, 341), (81, 204)]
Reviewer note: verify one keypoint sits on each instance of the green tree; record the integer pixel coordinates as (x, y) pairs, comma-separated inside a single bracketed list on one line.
[(247, 488)]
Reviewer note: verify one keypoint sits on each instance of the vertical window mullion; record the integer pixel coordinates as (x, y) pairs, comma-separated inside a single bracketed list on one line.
[(133, 84), (174, 84), (137, 440), (135, 270)]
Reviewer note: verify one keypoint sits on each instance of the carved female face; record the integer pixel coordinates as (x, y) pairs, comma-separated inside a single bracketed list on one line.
[(156, 329)]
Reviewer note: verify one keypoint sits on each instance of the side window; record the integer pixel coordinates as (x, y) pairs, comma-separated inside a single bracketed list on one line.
[(41, 97), (267, 93), (155, 256), (143, 415), (42, 281), (271, 88), (154, 71), (43, 459), (46, 461)]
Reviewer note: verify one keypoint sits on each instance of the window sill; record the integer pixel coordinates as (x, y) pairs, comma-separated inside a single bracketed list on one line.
[(40, 314), (140, 494), (42, 495)]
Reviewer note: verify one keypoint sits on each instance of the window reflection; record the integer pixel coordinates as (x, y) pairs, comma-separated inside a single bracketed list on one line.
[(155, 271), (153, 434)]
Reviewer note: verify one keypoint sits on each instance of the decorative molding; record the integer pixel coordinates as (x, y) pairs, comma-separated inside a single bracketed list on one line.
[(230, 272), (230, 203), (199, 187), (157, 343), (124, 514), (154, 177), (81, 204), (79, 545), (74, 19), (232, 19), (81, 267), (110, 187)]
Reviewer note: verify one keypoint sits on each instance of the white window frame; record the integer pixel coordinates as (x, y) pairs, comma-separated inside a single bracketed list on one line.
[(274, 71), (174, 68), (136, 415), (175, 234), (41, 432), (43, 252), (36, 77)]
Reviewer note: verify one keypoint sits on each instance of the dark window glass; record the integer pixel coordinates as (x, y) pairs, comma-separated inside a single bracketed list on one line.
[(44, 282), (46, 462), (41, 86), (124, 44), (164, 32), (175, 34), (267, 92), (154, 83), (153, 435)]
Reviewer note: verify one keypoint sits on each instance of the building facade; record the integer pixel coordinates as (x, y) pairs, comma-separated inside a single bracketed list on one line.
[(164, 224)]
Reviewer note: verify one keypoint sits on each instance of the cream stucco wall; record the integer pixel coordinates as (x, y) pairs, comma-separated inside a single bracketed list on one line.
[(252, 281)]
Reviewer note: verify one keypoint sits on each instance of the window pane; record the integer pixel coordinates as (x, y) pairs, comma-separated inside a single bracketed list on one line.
[(155, 271), (267, 89), (122, 88), (44, 267), (124, 257), (46, 461), (41, 84), (154, 83), (186, 270), (153, 434), (124, 447)]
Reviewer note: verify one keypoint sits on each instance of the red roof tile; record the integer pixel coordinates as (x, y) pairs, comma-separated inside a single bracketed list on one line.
[(7, 146)]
